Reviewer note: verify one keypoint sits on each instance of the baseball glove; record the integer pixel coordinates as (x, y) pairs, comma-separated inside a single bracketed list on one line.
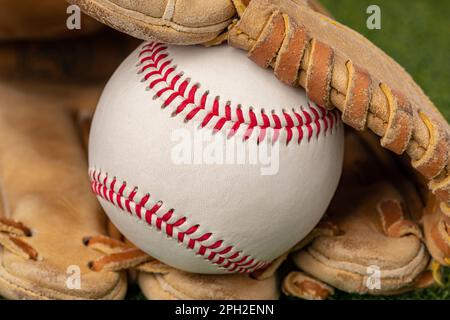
[(47, 207), (159, 281), (179, 22), (182, 22), (375, 244), (336, 66), (340, 68), (369, 242), (164, 283)]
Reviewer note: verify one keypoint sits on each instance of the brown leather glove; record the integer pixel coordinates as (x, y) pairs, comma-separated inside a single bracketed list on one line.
[(160, 283), (375, 245), (47, 207), (179, 22), (173, 21), (338, 68), (369, 242)]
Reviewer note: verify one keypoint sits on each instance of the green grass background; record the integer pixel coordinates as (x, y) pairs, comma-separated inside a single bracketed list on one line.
[(416, 33)]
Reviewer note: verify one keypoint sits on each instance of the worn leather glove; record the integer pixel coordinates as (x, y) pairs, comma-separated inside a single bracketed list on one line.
[(338, 68), (47, 208), (160, 282), (341, 69), (375, 243), (179, 22), (173, 21)]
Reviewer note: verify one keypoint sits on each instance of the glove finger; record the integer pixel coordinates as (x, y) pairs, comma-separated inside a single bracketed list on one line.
[(177, 22), (380, 250), (177, 285)]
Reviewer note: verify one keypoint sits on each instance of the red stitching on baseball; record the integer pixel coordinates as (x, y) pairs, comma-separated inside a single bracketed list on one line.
[(159, 71), (175, 227)]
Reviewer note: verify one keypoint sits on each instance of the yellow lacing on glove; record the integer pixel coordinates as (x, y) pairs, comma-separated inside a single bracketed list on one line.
[(223, 37), (240, 7), (436, 269)]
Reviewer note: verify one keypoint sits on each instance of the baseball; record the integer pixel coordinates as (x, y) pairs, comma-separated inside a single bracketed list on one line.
[(207, 162)]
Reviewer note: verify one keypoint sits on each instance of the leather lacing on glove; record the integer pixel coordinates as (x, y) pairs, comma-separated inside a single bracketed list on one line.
[(11, 238), (120, 256), (276, 39), (240, 6), (298, 59), (315, 73), (393, 223), (313, 70)]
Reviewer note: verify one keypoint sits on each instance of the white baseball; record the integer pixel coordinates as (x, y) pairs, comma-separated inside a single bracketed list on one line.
[(210, 217)]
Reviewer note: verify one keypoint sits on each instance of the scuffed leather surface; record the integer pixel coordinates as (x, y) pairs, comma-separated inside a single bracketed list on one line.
[(44, 186), (171, 21), (342, 260), (178, 285)]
